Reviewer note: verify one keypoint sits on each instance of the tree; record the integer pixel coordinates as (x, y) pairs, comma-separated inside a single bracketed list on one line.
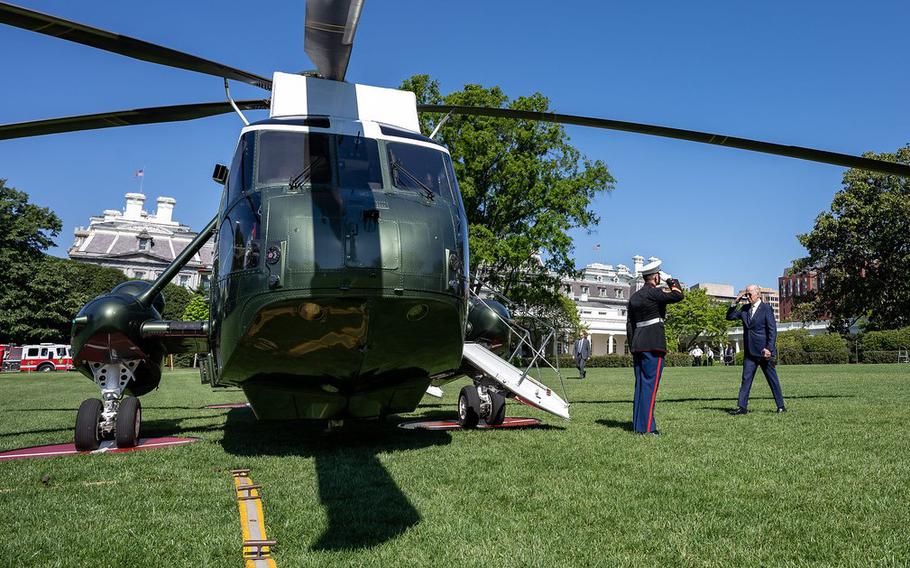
[(26, 230), (696, 319), (176, 299), (197, 309), (56, 290), (524, 187), (861, 248)]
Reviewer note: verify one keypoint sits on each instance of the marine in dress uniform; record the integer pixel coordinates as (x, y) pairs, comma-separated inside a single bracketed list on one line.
[(645, 333)]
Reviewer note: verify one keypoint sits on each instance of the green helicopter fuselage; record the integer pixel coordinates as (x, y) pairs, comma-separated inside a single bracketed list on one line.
[(340, 273)]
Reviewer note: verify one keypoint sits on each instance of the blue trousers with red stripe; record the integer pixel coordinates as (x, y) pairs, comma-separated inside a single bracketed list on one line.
[(648, 368)]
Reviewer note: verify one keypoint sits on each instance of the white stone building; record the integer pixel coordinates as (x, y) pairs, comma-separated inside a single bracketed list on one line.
[(140, 244), (601, 296)]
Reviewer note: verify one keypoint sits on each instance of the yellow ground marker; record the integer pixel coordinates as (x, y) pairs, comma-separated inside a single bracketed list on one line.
[(257, 548)]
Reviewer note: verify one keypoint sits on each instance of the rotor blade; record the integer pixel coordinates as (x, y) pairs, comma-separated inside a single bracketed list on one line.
[(810, 154), (330, 27), (150, 115), (123, 45)]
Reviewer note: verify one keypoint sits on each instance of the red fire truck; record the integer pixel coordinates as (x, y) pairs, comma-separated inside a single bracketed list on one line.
[(44, 357)]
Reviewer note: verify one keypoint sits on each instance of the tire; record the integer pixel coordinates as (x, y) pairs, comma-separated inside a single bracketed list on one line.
[(46, 368), (497, 410), (129, 418), (88, 418), (468, 407)]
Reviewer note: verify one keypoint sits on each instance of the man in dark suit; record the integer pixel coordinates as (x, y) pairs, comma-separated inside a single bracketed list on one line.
[(582, 353), (760, 339), (647, 311)]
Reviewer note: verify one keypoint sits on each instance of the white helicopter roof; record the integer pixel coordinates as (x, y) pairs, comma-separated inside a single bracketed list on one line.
[(297, 95)]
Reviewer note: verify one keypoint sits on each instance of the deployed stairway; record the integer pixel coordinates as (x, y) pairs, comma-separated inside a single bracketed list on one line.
[(525, 388)]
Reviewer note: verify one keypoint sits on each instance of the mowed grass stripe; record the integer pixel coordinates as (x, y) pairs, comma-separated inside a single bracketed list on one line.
[(824, 484)]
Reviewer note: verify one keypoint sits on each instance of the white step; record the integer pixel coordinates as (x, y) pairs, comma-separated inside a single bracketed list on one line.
[(528, 391)]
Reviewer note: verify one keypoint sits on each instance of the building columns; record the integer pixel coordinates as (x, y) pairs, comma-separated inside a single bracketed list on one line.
[(612, 348)]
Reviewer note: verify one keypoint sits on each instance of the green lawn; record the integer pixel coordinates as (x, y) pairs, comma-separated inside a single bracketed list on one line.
[(827, 483)]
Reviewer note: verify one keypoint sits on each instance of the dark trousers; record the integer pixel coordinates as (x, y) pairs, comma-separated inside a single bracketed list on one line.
[(580, 363), (648, 368), (750, 365)]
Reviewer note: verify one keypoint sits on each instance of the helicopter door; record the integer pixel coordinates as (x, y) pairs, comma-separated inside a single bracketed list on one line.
[(369, 240)]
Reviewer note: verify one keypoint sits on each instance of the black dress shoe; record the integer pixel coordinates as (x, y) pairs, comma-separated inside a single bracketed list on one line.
[(739, 410), (781, 409)]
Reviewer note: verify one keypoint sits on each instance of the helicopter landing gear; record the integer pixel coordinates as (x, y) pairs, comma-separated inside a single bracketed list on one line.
[(480, 402), (98, 420), (468, 407), (88, 425)]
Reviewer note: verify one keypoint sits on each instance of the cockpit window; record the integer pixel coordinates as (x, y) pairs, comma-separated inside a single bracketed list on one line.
[(417, 167), (294, 158), (358, 163), (241, 175)]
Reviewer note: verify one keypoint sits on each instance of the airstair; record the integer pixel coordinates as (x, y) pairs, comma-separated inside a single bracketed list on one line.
[(524, 387)]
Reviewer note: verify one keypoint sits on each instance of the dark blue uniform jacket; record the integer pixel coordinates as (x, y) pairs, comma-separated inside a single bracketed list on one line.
[(648, 303)]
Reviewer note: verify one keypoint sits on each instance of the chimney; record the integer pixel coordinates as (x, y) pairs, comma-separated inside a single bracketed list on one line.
[(638, 261), (165, 209), (653, 259), (134, 203)]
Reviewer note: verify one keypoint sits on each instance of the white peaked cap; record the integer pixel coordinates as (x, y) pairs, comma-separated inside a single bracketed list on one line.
[(651, 268)]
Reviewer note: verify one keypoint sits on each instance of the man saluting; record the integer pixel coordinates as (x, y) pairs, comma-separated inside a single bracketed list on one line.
[(645, 332), (760, 338)]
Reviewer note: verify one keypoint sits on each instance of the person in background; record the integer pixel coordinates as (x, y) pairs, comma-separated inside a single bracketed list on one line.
[(709, 358), (728, 355), (696, 354), (582, 353)]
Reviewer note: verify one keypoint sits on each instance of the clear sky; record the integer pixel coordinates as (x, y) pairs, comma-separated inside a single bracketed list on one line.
[(826, 74)]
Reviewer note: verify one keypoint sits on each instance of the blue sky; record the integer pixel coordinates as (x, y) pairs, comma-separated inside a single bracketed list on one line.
[(831, 75)]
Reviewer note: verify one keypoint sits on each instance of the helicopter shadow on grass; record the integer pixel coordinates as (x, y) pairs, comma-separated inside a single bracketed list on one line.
[(363, 504)]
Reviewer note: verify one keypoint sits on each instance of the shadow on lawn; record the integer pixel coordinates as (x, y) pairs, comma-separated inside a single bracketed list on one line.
[(731, 399), (621, 424), (364, 505)]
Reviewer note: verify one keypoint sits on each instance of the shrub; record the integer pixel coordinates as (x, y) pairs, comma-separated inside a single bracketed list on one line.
[(890, 340), (678, 360), (874, 357)]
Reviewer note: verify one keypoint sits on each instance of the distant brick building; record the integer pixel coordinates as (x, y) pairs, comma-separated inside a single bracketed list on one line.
[(142, 245), (795, 285)]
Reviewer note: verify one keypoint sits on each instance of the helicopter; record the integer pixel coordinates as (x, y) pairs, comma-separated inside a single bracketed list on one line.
[(342, 261)]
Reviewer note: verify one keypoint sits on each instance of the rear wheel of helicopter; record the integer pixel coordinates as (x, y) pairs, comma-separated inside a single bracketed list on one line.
[(129, 417), (88, 425), (497, 409), (468, 407)]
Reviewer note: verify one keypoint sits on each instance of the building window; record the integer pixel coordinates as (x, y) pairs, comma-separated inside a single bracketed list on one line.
[(568, 289), (144, 243), (600, 278), (584, 289), (140, 274), (622, 313), (601, 313), (620, 293), (184, 280), (603, 292), (587, 312)]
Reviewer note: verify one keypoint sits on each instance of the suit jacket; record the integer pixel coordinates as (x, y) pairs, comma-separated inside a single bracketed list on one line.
[(759, 332), (582, 348)]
